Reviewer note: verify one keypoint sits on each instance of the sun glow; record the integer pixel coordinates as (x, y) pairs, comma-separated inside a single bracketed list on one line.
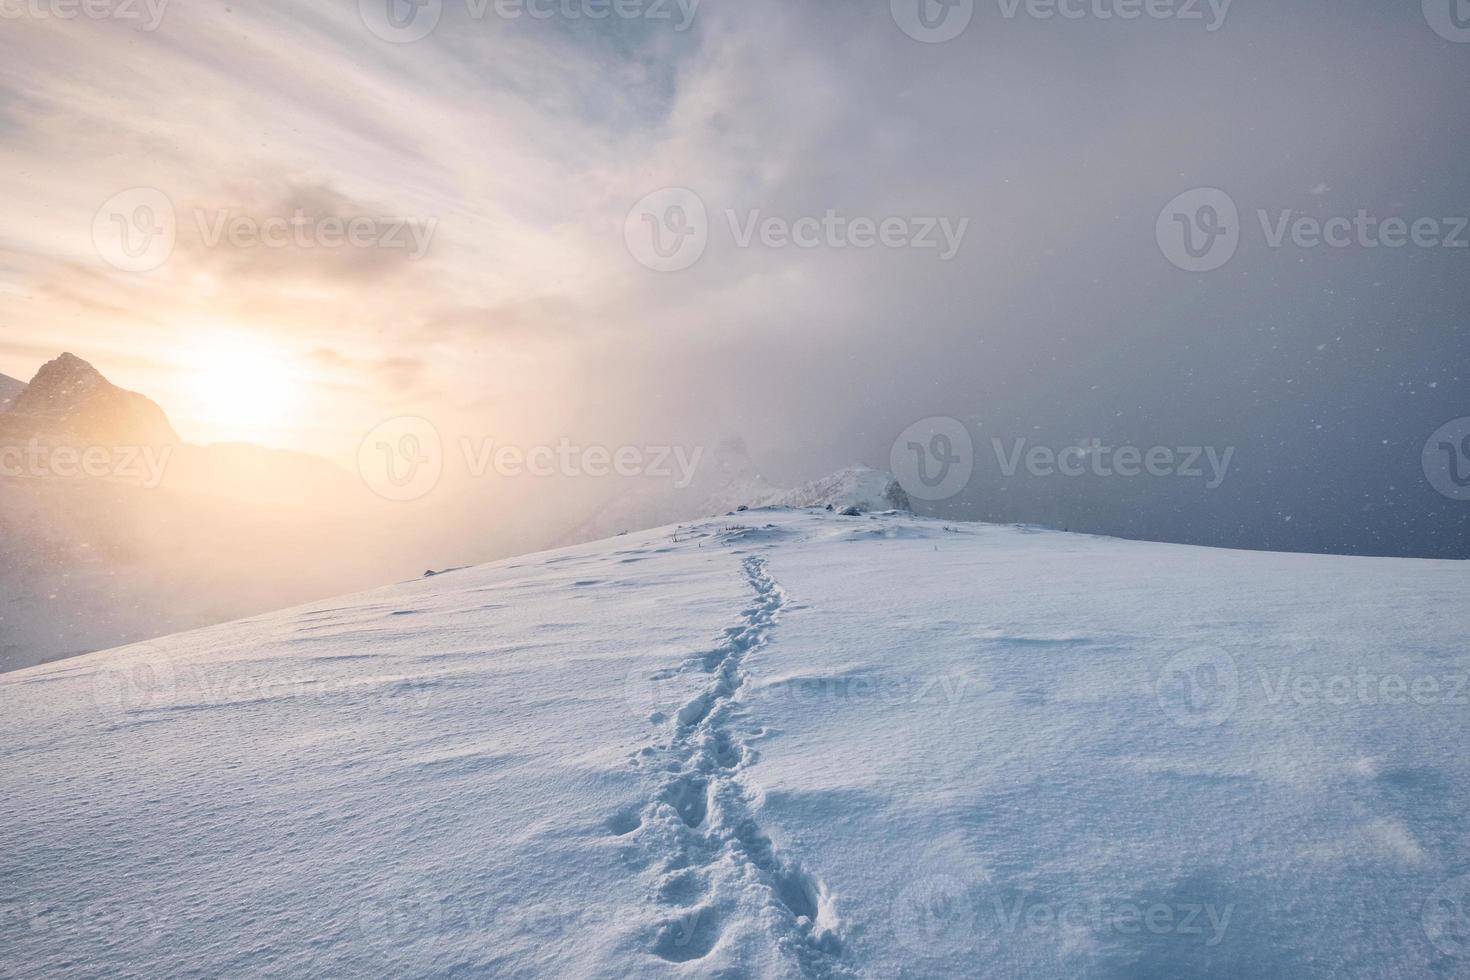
[(242, 389)]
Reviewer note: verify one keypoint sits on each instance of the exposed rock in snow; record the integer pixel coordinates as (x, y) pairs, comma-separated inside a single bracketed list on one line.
[(859, 487)]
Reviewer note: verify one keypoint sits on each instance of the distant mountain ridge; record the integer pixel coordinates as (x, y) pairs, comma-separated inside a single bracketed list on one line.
[(70, 402), (10, 390), (169, 536)]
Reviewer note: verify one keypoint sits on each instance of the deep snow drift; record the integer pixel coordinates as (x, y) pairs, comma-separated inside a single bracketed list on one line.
[(783, 743)]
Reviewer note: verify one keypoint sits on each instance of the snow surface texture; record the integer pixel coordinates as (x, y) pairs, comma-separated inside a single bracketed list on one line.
[(783, 744)]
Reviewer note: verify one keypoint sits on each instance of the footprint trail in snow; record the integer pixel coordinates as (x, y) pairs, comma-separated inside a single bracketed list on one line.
[(701, 828)]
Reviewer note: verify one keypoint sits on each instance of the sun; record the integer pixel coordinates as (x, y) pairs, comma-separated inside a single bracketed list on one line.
[(242, 389)]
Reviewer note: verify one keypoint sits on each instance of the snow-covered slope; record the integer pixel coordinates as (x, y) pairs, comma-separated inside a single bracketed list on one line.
[(792, 744)]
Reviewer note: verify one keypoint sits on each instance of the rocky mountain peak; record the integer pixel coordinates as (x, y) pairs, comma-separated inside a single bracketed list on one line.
[(70, 399)]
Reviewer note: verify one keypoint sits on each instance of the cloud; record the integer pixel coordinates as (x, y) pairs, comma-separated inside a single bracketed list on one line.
[(527, 142)]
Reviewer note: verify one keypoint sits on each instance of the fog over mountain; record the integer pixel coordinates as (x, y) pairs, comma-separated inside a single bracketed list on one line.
[(117, 530), (10, 389), (1058, 320)]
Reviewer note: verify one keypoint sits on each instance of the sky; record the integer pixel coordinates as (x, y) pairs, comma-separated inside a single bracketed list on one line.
[(507, 173)]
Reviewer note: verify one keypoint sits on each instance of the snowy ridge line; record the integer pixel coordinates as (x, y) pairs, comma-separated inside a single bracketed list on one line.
[(716, 860)]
